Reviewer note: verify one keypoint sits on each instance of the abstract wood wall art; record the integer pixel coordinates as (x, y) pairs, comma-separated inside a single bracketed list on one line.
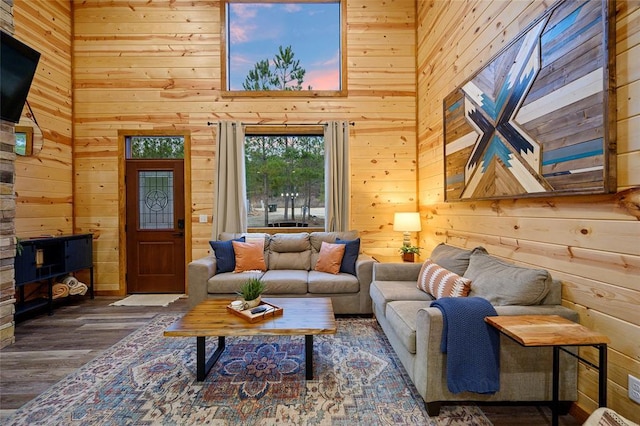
[(537, 120)]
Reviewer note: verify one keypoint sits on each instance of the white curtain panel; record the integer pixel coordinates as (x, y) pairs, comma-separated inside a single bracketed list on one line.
[(336, 140), (230, 210)]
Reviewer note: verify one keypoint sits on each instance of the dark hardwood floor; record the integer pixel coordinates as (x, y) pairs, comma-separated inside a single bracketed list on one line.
[(48, 348)]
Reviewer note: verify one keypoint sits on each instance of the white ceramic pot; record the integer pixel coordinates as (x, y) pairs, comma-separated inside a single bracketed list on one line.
[(252, 303)]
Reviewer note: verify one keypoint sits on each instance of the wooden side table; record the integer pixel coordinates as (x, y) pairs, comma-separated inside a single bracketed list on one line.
[(556, 331)]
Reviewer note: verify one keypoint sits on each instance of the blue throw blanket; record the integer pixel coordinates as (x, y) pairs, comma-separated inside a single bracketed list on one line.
[(472, 346)]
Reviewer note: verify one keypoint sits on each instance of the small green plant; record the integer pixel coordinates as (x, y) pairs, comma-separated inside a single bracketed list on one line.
[(410, 249), (18, 246), (251, 289)]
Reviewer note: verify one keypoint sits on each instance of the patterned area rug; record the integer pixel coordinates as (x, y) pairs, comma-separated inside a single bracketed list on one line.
[(150, 379)]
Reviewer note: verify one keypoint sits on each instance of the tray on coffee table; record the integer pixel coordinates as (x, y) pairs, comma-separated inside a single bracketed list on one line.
[(271, 312)]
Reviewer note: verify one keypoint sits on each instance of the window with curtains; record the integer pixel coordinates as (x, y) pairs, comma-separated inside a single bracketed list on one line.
[(285, 177)]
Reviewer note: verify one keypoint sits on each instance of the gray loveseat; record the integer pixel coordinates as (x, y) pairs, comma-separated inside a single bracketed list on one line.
[(290, 259), (414, 328)]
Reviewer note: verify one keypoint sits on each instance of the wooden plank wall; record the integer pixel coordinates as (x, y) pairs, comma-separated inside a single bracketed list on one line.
[(44, 182), (590, 243), (156, 65)]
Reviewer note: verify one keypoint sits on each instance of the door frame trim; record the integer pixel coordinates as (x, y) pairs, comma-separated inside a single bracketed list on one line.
[(122, 200)]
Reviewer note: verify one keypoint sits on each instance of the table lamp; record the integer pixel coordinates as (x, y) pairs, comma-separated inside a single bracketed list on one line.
[(406, 222)]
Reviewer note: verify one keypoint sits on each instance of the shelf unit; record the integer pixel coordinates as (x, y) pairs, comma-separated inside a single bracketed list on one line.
[(43, 259)]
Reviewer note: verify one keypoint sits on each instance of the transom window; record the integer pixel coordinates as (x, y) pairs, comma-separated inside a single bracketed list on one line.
[(285, 179), (155, 147), (295, 47)]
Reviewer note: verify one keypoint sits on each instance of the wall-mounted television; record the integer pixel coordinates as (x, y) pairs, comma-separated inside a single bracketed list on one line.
[(18, 63)]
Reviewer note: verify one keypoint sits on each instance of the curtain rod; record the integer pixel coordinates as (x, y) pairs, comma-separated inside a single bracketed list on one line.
[(211, 123)]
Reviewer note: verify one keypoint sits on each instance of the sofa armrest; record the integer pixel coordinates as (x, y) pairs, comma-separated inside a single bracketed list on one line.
[(364, 269), (430, 372), (364, 273), (198, 274), (396, 271)]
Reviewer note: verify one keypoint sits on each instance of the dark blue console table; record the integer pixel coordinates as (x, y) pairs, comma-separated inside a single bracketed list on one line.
[(43, 259)]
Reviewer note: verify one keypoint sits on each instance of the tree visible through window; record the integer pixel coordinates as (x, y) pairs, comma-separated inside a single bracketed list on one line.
[(293, 47), (285, 180), (155, 147)]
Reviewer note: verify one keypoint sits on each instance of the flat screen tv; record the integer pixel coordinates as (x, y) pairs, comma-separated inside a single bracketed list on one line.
[(18, 63)]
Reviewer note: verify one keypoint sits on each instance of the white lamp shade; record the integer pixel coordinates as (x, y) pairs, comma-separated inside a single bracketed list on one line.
[(406, 222)]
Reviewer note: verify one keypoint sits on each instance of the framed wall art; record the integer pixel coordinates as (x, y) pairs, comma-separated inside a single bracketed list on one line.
[(539, 118)]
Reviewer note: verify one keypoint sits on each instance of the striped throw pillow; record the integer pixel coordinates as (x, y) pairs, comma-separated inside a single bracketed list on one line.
[(440, 282)]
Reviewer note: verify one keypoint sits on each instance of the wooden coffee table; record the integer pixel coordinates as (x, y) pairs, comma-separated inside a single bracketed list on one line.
[(301, 316)]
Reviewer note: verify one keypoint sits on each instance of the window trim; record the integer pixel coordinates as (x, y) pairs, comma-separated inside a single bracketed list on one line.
[(283, 93), (28, 148)]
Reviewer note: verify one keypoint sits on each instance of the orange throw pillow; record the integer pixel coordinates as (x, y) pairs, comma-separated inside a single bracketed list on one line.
[(330, 257), (249, 256)]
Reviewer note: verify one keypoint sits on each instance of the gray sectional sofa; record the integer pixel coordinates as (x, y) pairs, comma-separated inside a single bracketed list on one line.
[(290, 259), (414, 328)]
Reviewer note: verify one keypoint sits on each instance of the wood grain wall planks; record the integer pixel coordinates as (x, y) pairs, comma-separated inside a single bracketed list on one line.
[(154, 65), (157, 87), (573, 237), (44, 183)]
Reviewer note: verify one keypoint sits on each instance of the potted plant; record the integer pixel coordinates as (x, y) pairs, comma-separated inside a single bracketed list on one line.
[(409, 252), (19, 247), (251, 291)]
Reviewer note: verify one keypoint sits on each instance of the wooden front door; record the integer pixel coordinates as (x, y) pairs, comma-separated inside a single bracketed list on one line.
[(155, 226)]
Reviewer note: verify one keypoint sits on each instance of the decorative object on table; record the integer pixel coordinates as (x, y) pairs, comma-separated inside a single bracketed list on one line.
[(409, 252), (18, 246), (539, 118), (263, 311), (406, 222), (251, 291), (237, 305)]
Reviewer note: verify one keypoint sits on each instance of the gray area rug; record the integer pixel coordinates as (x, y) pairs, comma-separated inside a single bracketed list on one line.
[(148, 379)]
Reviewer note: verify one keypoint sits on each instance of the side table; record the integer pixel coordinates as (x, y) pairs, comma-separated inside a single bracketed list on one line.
[(556, 331), (392, 259)]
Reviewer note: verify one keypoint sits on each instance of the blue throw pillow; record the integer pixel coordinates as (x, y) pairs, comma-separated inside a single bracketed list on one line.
[(351, 252), (225, 256)]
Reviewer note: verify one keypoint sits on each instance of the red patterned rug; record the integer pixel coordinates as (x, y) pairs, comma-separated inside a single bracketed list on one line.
[(148, 379)]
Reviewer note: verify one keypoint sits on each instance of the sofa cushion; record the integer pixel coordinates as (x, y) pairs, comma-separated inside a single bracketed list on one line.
[(382, 292), (290, 251), (225, 256), (351, 252), (290, 243), (229, 282), (285, 281), (317, 238), (402, 316), (503, 283), (324, 283), (283, 261), (249, 256), (440, 282), (452, 258), (330, 258)]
